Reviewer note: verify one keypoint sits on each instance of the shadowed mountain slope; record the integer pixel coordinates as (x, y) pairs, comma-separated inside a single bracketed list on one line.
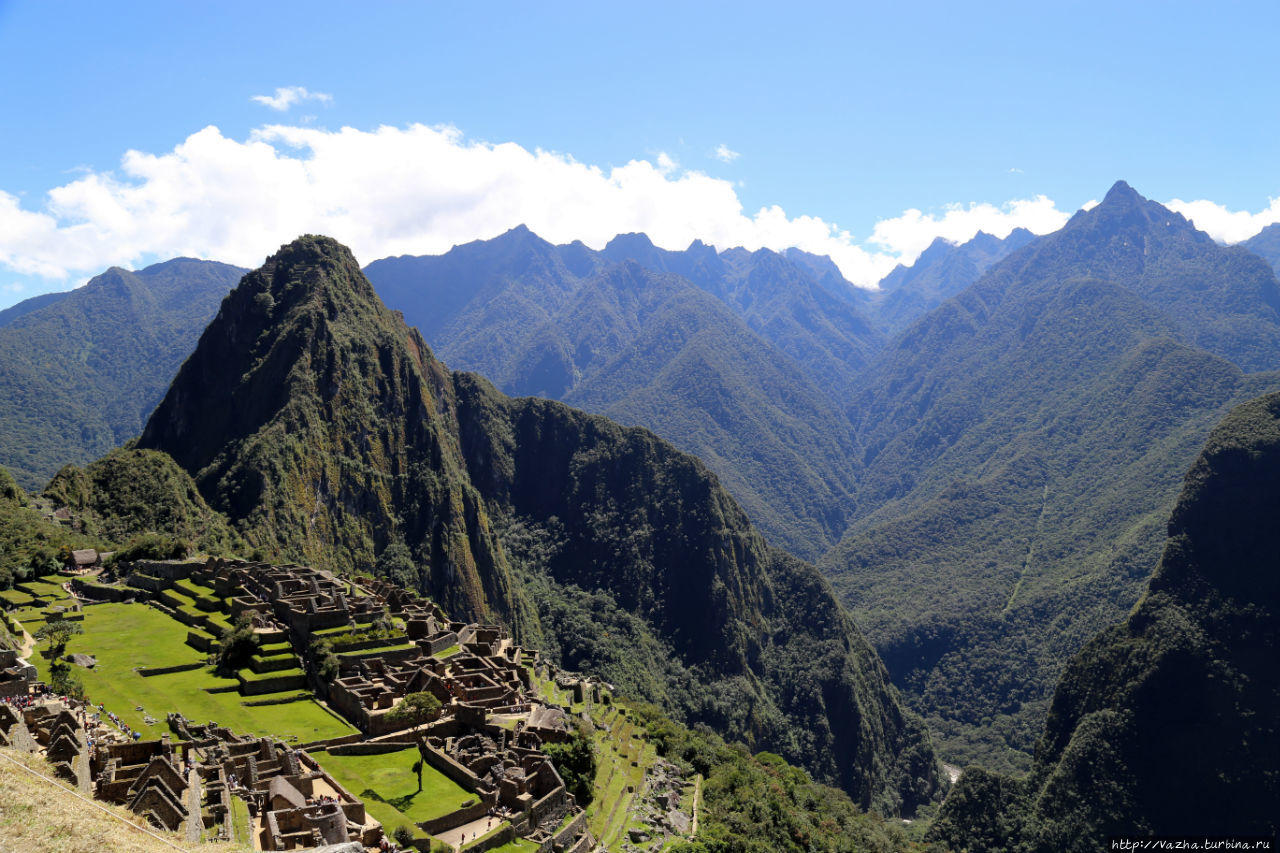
[(1165, 724)]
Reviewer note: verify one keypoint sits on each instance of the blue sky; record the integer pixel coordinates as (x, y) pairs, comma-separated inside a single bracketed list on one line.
[(861, 131)]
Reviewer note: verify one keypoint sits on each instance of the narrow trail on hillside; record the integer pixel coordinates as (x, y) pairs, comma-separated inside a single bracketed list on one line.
[(1031, 551)]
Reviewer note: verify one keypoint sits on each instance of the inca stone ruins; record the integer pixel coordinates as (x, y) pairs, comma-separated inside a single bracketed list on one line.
[(202, 779)]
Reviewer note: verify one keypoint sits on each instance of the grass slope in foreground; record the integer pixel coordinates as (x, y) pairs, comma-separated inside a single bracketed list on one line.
[(44, 814)]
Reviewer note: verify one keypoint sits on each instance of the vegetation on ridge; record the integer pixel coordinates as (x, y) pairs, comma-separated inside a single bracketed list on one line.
[(1164, 724), (81, 372)]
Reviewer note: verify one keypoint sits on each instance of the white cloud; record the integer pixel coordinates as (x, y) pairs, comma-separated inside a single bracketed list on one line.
[(287, 96), (725, 154), (421, 190), (911, 233), (1223, 225)]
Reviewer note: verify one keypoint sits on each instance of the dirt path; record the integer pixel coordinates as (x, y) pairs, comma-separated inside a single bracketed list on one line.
[(471, 831), (28, 645), (697, 798)]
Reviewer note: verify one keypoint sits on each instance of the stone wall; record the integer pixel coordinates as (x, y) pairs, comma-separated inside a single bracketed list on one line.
[(497, 838), (452, 769), (457, 818), (371, 747), (272, 685)]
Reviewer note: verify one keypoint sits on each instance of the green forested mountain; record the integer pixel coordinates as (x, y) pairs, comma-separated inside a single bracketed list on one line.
[(1165, 724), (942, 271), (83, 370), (129, 493), (738, 358), (313, 418), (1266, 244), (26, 306), (795, 301), (325, 429), (1023, 444)]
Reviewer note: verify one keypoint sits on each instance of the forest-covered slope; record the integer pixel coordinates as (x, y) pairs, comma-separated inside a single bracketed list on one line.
[(1165, 724), (82, 370), (1023, 444), (1266, 244)]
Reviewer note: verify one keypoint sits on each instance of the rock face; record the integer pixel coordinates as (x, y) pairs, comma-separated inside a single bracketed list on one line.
[(324, 427), (1166, 724)]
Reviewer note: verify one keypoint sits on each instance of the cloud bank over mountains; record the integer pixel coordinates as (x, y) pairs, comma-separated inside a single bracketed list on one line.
[(421, 190)]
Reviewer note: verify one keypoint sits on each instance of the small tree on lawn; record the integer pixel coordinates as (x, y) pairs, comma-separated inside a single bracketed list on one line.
[(403, 836), (58, 632), (414, 710)]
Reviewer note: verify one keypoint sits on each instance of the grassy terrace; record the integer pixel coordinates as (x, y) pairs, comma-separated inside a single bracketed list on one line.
[(389, 646), (389, 788), (44, 588), (125, 637), (520, 845), (17, 597), (617, 746), (34, 599)]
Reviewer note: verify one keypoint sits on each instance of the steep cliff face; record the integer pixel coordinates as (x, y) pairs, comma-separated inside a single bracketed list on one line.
[(1166, 723), (770, 656), (320, 424), (325, 429)]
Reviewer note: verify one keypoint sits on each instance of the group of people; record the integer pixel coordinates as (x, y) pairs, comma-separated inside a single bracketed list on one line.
[(26, 700), (118, 723), (321, 800)]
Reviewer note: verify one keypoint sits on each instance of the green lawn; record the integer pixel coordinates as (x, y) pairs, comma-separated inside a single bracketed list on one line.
[(16, 597), (389, 788), (126, 636), (249, 675), (45, 588)]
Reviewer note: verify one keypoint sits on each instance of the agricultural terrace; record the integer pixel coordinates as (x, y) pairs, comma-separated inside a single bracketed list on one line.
[(126, 638)]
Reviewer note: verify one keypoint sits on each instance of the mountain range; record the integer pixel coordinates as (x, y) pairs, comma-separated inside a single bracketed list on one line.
[(1022, 445), (755, 350), (325, 430), (981, 457)]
